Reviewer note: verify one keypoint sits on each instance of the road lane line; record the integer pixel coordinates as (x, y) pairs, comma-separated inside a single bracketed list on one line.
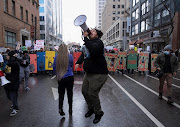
[(158, 79), (175, 104), (176, 78), (158, 123)]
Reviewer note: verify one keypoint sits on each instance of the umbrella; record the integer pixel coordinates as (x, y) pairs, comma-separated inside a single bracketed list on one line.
[(115, 49)]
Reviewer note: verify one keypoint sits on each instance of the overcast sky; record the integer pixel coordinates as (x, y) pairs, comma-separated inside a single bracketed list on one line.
[(70, 10)]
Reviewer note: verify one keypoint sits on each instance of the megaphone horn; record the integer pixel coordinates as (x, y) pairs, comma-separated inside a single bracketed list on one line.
[(4, 81), (81, 21)]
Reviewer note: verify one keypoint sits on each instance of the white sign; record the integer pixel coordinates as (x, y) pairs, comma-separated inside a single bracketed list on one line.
[(148, 48), (3, 49), (39, 44), (1, 58), (28, 43)]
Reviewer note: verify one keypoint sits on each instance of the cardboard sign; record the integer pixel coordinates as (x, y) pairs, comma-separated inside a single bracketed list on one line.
[(111, 62), (33, 63), (121, 59), (132, 60), (76, 56), (39, 44), (143, 62), (28, 43), (50, 55), (153, 59), (41, 61)]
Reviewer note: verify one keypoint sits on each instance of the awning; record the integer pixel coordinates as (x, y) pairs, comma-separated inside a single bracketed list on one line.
[(140, 41), (132, 42)]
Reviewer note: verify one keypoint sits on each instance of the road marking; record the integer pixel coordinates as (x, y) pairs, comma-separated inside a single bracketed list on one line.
[(53, 77), (55, 93), (176, 78), (175, 104), (78, 82), (165, 81), (158, 123)]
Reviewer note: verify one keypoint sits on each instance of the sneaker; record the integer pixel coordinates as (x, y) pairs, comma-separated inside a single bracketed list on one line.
[(89, 113), (14, 112), (27, 89), (170, 101), (98, 117), (11, 107)]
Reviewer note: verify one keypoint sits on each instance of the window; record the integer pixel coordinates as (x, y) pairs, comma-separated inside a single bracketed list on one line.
[(41, 9), (157, 19), (147, 24), (114, 12), (133, 30), (134, 2), (21, 8), (124, 24), (41, 18), (143, 7), (136, 29), (122, 12), (26, 16), (6, 5), (13, 7), (10, 39), (165, 13), (133, 16), (118, 12), (32, 19), (118, 6), (137, 1), (157, 2), (32, 2), (42, 27), (147, 6), (113, 18), (122, 6), (113, 0), (42, 36), (118, 0), (41, 1), (114, 6), (137, 14), (142, 26)]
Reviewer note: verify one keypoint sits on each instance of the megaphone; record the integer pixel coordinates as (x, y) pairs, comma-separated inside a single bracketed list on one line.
[(4, 81), (81, 21)]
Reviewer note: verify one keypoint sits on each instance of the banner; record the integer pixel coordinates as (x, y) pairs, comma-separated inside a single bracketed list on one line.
[(132, 59), (153, 58), (50, 55), (33, 63), (76, 56), (121, 59), (143, 62), (39, 44), (28, 43), (41, 61), (111, 60)]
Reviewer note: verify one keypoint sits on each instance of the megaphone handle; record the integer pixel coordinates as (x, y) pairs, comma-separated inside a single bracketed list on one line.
[(88, 30)]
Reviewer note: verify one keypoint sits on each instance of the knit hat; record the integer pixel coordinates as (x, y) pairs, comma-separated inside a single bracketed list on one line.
[(11, 53), (168, 47), (99, 33)]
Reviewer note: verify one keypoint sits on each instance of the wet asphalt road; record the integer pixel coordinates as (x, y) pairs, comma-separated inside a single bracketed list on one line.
[(127, 101)]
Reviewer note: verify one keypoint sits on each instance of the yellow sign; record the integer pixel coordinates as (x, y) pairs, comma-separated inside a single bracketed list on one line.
[(50, 55)]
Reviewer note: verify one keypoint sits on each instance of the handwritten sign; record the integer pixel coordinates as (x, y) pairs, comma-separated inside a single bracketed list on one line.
[(39, 44)]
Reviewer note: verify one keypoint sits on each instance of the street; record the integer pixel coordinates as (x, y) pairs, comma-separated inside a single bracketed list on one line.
[(127, 101)]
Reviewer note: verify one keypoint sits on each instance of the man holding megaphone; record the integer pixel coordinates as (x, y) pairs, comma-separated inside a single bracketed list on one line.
[(96, 71)]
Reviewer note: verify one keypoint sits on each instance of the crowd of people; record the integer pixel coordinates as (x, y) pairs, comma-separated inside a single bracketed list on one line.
[(16, 68)]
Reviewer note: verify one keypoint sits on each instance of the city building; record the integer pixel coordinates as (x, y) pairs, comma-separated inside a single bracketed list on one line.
[(51, 22), (151, 23), (19, 22), (99, 9), (114, 23)]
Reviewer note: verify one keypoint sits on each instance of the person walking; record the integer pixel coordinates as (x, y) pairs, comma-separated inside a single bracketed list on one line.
[(12, 74), (24, 60), (96, 71), (167, 63), (62, 67)]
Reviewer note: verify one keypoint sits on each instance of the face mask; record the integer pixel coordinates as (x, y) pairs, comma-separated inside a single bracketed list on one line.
[(166, 52)]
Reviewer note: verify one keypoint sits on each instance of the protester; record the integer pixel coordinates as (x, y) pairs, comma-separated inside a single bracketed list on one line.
[(62, 66), (24, 60), (13, 76), (96, 71), (167, 63)]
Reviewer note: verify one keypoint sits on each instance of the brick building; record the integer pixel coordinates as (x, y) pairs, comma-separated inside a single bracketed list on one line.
[(19, 21)]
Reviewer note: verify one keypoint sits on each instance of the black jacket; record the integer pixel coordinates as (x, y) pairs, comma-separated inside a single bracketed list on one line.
[(13, 75), (96, 64)]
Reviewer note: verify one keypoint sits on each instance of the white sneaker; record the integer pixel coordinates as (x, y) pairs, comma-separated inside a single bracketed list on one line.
[(11, 107), (13, 113), (27, 88)]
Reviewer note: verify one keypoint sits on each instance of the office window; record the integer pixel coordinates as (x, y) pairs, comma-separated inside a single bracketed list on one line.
[(147, 24), (6, 5), (118, 0), (41, 1), (10, 39), (142, 26), (157, 19), (113, 0), (32, 2), (13, 7), (133, 16), (143, 7), (42, 27), (134, 2), (113, 18), (26, 16), (21, 8), (41, 9), (147, 6), (133, 30), (136, 29), (118, 12), (122, 12), (114, 12), (122, 6), (118, 6), (165, 13), (42, 36), (137, 14), (41, 18), (114, 6), (32, 20)]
